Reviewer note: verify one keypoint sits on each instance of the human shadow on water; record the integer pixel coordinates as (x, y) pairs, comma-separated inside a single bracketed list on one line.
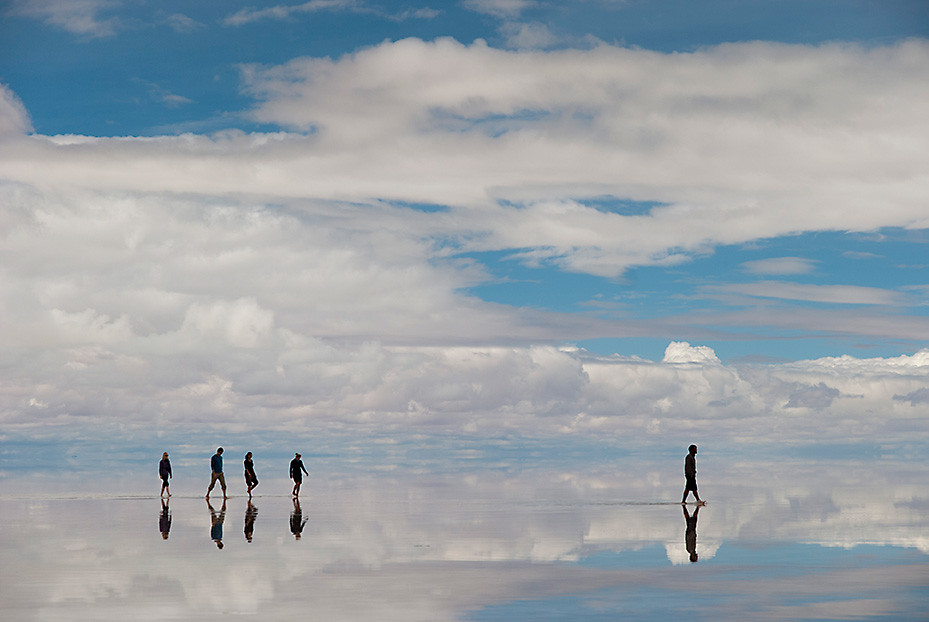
[(251, 513), (690, 534), (216, 523), (164, 521), (297, 521)]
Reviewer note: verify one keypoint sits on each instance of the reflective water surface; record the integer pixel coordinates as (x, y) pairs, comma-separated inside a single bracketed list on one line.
[(848, 543)]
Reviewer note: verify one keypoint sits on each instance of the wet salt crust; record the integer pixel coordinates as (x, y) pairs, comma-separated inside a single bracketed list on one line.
[(479, 546)]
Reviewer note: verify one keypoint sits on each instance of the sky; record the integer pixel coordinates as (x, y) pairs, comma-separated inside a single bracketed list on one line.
[(652, 221)]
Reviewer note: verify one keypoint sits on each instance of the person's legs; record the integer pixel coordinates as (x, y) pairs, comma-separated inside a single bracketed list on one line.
[(222, 483), (213, 479), (690, 485)]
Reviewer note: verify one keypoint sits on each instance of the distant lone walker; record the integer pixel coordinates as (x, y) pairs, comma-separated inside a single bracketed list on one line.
[(251, 480), (216, 465), (164, 471), (690, 474), (296, 466)]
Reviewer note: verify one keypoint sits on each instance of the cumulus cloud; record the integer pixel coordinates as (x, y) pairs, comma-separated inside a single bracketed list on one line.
[(279, 278), (919, 396), (817, 396), (531, 35), (683, 352), (14, 120)]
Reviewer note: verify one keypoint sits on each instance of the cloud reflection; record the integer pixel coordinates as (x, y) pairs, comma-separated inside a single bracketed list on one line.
[(460, 546)]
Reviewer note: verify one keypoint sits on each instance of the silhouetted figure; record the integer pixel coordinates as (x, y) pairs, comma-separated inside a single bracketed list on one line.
[(297, 521), (690, 534), (216, 523), (251, 480), (164, 522), (216, 466), (690, 474), (251, 513), (164, 471), (296, 466)]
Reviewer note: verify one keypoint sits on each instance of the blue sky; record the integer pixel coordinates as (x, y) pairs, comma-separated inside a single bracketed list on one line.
[(466, 214)]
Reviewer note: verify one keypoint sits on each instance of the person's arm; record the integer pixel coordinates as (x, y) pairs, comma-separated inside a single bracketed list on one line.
[(303, 467)]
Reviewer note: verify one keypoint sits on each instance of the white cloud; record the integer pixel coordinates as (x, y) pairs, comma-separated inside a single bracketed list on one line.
[(527, 36), (540, 129), (285, 11), (834, 294), (500, 8), (267, 278), (14, 120), (780, 266), (81, 17), (182, 23), (683, 352)]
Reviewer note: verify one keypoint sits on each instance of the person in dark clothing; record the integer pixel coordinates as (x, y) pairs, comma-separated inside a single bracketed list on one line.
[(296, 466), (251, 480), (297, 522), (251, 513), (216, 465), (690, 533), (690, 474), (164, 522), (164, 471)]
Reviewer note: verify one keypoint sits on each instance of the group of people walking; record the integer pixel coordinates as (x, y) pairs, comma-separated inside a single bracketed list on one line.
[(297, 471)]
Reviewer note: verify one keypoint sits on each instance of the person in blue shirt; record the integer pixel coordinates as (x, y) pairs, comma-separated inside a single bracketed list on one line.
[(164, 471), (216, 464)]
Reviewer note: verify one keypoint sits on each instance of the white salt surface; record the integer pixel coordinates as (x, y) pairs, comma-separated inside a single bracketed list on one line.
[(479, 546)]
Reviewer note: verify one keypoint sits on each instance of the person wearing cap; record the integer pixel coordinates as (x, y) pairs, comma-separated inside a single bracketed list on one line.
[(296, 466), (164, 471)]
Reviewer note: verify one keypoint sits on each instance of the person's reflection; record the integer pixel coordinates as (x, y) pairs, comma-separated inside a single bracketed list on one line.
[(216, 527), (296, 520), (164, 522), (690, 535), (251, 513)]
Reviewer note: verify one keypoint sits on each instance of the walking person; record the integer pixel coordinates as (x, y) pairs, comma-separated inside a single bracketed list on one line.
[(296, 466), (164, 471), (216, 465), (690, 474), (251, 480)]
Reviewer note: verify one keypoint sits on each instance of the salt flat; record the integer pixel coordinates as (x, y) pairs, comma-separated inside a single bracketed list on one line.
[(540, 544)]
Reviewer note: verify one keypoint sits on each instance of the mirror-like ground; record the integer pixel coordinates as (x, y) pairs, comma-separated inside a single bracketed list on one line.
[(808, 540)]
